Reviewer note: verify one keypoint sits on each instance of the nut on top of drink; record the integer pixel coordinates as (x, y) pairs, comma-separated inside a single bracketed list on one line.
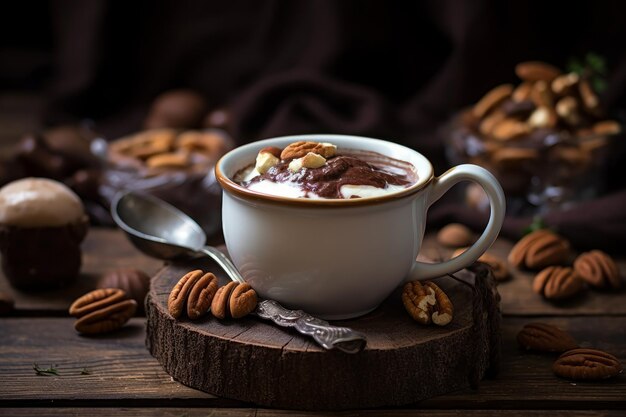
[(317, 170)]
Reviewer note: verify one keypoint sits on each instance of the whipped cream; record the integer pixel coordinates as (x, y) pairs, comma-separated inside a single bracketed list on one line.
[(38, 202)]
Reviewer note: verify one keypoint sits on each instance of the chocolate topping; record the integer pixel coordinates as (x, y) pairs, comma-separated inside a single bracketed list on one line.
[(326, 181)]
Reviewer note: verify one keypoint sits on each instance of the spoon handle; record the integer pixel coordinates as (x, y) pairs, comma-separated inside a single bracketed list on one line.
[(325, 334), (223, 261)]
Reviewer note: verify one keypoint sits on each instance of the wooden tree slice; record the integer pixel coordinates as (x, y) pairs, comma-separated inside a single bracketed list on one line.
[(255, 361)]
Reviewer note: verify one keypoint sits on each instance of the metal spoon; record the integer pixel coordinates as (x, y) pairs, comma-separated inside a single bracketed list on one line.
[(162, 231)]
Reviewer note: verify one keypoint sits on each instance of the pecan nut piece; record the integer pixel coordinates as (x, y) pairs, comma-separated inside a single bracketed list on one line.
[(498, 266), (201, 296), (426, 303), (102, 311), (134, 282), (557, 283), (598, 269), (490, 100), (418, 301), (234, 300), (193, 293), (455, 235), (169, 160), (177, 301), (545, 338), (536, 71), (301, 148), (443, 310), (539, 249), (587, 364)]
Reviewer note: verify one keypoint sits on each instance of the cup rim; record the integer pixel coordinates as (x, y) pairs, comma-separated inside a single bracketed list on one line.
[(235, 189)]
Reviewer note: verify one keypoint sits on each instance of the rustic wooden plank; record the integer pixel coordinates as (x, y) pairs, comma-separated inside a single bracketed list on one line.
[(123, 370), (518, 298), (526, 379), (103, 249), (253, 412)]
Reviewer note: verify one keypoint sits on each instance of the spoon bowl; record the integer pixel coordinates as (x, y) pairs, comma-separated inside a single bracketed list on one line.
[(157, 228)]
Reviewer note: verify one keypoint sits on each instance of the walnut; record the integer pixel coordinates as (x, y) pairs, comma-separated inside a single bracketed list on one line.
[(539, 249), (598, 269), (102, 311), (234, 300), (557, 283), (587, 364), (545, 338)]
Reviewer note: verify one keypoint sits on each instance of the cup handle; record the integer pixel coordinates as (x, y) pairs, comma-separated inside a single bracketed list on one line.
[(438, 187)]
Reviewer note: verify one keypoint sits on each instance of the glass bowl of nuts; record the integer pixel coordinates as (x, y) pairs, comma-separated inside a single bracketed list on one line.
[(176, 166), (545, 139)]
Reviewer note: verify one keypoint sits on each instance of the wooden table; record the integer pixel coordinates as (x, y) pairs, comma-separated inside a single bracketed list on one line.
[(115, 375)]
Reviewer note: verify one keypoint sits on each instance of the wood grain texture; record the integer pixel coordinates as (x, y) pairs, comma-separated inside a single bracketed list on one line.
[(103, 249), (270, 362), (519, 299), (256, 412), (123, 370)]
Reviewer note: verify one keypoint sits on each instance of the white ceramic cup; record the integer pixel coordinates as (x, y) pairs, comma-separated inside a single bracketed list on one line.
[(338, 259)]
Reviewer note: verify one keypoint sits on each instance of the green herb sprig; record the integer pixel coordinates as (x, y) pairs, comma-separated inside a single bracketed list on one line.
[(52, 370), (594, 67)]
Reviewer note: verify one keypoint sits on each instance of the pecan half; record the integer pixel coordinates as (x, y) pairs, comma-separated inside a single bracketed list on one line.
[(177, 300), (563, 84), (443, 310), (193, 293), (418, 301), (508, 129), (201, 296), (598, 269), (301, 148), (539, 249), (234, 300), (607, 127), (545, 338), (590, 100), (455, 235), (102, 311), (587, 364), (426, 303), (490, 100), (557, 283), (134, 282), (498, 266), (169, 159), (536, 71)]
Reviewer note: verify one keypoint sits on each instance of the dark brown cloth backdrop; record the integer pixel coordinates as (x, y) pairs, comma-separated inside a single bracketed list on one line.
[(388, 69)]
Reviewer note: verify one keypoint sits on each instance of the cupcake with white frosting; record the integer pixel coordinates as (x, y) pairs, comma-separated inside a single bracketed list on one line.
[(42, 223)]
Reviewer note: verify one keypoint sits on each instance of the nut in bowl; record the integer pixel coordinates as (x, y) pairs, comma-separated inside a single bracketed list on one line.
[(547, 140), (336, 238), (174, 165)]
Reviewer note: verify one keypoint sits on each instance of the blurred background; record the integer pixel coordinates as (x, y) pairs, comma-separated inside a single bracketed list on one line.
[(72, 72)]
